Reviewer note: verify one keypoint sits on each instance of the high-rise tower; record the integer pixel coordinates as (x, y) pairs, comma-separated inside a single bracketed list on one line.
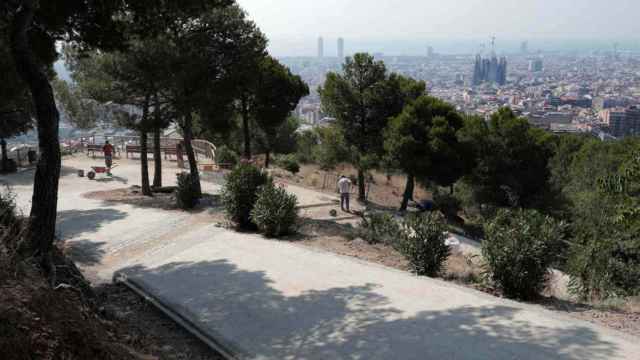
[(340, 49), (320, 47), (490, 69), (430, 52)]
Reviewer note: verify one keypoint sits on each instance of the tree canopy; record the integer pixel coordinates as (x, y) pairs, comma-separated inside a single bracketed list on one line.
[(423, 141), (511, 160), (276, 95), (362, 98)]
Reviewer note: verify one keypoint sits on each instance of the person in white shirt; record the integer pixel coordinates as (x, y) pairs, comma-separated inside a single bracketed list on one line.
[(344, 186)]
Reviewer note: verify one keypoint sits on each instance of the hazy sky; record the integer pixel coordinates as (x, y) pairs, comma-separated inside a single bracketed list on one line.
[(288, 23)]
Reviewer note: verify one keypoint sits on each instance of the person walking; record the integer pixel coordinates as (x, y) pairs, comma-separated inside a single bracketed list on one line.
[(107, 149), (344, 186)]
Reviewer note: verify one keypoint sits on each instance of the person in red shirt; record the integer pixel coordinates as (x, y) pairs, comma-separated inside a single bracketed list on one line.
[(107, 149)]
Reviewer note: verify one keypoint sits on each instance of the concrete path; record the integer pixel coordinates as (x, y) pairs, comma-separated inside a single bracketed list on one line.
[(276, 300)]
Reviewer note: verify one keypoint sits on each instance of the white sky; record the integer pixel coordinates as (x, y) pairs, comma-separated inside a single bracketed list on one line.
[(291, 21)]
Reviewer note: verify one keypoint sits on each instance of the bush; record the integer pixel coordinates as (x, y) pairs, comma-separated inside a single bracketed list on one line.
[(422, 241), (448, 204), (604, 258), (306, 142), (604, 263), (380, 228), (289, 163), (10, 166), (332, 147), (186, 193), (8, 214), (12, 225), (275, 212), (226, 157), (240, 193), (519, 247)]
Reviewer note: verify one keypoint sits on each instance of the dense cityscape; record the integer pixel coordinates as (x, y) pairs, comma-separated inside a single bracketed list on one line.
[(595, 92)]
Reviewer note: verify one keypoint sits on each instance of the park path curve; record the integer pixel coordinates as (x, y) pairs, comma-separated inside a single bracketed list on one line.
[(265, 299)]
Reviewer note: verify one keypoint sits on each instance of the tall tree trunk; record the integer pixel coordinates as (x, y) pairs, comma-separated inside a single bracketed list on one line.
[(5, 156), (245, 128), (157, 150), (144, 163), (44, 203), (408, 192), (362, 195), (191, 155), (267, 159), (157, 158)]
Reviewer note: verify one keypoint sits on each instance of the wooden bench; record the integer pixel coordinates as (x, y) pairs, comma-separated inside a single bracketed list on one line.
[(166, 150)]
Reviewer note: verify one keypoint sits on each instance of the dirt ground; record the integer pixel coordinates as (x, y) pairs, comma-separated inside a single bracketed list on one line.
[(383, 191), (164, 199), (67, 321), (148, 330)]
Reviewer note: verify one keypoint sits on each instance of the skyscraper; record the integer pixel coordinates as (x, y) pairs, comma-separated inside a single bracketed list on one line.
[(536, 65), (491, 70), (320, 47), (340, 49), (430, 52), (524, 47)]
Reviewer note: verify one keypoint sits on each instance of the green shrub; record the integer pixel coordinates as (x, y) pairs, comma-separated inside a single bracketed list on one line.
[(240, 193), (519, 247), (186, 192), (12, 225), (332, 147), (306, 142), (604, 263), (275, 212), (604, 258), (422, 241), (448, 204), (226, 157), (9, 166), (379, 228), (7, 208), (289, 163)]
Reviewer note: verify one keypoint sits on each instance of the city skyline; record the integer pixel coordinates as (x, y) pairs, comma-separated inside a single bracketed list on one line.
[(389, 28), (307, 47)]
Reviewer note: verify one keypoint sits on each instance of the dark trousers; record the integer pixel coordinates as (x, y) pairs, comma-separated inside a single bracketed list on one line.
[(344, 201)]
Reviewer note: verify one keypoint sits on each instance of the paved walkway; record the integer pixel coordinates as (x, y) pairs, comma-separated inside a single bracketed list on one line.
[(275, 300)]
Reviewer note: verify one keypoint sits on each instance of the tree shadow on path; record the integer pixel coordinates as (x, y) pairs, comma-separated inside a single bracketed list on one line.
[(25, 177), (356, 322), (72, 223)]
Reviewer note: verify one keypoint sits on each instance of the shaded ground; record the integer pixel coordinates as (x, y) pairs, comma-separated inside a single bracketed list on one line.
[(91, 232), (68, 322), (147, 329), (460, 268), (282, 301), (164, 198)]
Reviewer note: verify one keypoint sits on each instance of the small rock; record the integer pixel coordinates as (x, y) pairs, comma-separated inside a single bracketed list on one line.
[(359, 242)]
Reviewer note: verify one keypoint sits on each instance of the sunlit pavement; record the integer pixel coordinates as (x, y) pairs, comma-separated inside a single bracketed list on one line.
[(266, 299)]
